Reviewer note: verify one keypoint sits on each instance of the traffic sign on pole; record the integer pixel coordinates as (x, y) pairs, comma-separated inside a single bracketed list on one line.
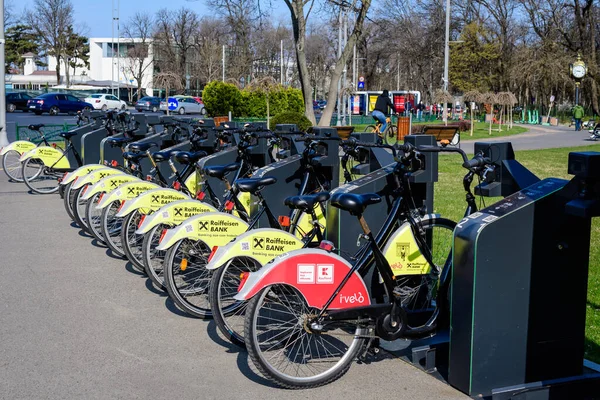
[(173, 103), (361, 84)]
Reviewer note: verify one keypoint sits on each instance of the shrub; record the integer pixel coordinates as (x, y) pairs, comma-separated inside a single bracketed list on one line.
[(220, 98), (280, 100), (291, 117)]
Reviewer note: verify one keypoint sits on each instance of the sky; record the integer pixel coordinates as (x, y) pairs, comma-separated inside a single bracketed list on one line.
[(97, 14)]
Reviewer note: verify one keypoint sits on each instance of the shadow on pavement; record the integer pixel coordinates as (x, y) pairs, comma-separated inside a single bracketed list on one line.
[(173, 308), (129, 267), (150, 286)]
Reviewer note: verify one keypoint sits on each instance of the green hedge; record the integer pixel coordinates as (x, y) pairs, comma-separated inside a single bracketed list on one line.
[(291, 117), (220, 98)]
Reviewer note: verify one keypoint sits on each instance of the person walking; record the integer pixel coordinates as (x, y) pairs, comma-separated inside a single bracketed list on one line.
[(420, 108), (578, 113), (381, 109)]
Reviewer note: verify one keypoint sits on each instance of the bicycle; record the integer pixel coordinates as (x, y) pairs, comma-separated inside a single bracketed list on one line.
[(390, 136), (310, 313), (11, 154)]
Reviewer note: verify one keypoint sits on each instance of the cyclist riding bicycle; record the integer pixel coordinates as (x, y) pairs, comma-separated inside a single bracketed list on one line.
[(381, 109)]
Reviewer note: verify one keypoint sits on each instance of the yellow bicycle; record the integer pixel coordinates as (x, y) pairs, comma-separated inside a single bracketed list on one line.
[(390, 136)]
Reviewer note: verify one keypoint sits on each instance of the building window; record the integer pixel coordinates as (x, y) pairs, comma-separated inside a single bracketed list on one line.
[(124, 49)]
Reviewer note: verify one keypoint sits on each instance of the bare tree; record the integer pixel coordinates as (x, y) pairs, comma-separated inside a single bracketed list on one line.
[(169, 81), (139, 32), (50, 20)]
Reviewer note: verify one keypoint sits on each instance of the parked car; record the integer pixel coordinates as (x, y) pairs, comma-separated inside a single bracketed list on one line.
[(54, 103), (103, 101), (17, 101), (148, 103), (185, 105)]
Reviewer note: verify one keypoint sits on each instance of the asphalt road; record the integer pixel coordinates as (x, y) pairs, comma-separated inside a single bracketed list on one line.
[(76, 323)]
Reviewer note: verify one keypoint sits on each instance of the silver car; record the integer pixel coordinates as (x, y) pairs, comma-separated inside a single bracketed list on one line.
[(185, 105)]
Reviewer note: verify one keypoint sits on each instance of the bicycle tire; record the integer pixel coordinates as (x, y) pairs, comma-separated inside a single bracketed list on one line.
[(132, 242), (227, 312), (79, 206), (188, 287), (94, 217), (39, 182), (295, 306), (12, 166), (390, 137), (111, 228), (370, 129), (154, 259), (68, 200)]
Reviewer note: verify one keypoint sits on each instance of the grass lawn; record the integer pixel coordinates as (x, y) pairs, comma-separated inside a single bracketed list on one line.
[(449, 202), (480, 131)]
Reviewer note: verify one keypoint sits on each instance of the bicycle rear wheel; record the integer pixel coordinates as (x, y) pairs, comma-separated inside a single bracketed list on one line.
[(286, 352), (390, 136), (229, 313), (132, 242), (111, 228), (79, 206), (12, 166), (186, 278), (94, 217), (37, 177), (68, 195), (154, 259)]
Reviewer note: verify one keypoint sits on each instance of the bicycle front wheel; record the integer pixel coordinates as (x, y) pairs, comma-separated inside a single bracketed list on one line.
[(131, 242), (390, 136), (78, 207), (285, 351), (186, 278), (12, 166), (154, 259), (68, 195), (229, 313), (94, 217), (37, 178), (111, 228)]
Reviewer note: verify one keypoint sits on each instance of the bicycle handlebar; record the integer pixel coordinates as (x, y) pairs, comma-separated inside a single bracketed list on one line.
[(477, 162)]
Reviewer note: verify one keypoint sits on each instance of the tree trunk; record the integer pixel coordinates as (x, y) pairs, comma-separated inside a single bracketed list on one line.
[(491, 117), (58, 69), (67, 74), (268, 114), (471, 107)]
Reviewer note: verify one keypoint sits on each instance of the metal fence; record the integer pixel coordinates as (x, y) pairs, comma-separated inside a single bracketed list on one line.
[(50, 131)]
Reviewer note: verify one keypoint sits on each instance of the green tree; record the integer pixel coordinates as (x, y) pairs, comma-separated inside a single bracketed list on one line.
[(76, 52), (220, 98), (473, 62), (20, 39)]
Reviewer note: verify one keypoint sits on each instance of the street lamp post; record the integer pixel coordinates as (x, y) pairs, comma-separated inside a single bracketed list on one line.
[(3, 134), (446, 56)]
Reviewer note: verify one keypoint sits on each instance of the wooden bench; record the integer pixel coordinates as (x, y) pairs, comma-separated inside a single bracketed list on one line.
[(448, 133)]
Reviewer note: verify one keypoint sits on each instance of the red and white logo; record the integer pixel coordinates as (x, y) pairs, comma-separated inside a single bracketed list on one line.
[(325, 273)]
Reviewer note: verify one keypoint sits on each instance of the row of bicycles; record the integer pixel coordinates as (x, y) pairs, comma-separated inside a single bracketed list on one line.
[(303, 309)]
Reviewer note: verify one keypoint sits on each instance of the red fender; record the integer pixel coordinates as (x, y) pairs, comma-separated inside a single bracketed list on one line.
[(316, 274)]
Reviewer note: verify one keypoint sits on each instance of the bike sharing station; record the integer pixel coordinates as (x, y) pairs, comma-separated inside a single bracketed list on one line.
[(516, 323)]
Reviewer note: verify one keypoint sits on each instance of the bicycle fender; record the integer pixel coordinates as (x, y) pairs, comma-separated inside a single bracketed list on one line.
[(48, 155), (262, 245), (150, 201), (316, 274), (94, 177), (108, 184), (84, 170), (191, 183), (20, 146), (174, 214), (126, 191), (213, 228)]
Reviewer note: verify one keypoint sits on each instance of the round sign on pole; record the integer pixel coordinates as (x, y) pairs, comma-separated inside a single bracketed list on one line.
[(173, 103), (552, 98), (361, 79)]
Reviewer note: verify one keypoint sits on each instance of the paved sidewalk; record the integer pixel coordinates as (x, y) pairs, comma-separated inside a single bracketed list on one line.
[(76, 323), (538, 137)]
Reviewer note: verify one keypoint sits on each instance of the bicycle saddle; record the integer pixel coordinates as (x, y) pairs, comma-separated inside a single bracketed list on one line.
[(187, 157), (306, 202), (128, 155), (354, 203), (67, 135), (254, 185), (164, 155), (219, 171), (118, 142), (142, 146), (36, 127)]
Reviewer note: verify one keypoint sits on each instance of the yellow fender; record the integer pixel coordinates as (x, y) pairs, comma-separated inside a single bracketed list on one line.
[(213, 228), (191, 183), (84, 170), (404, 255), (262, 245), (126, 191), (50, 156), (94, 177), (109, 183), (150, 201), (20, 146), (174, 213)]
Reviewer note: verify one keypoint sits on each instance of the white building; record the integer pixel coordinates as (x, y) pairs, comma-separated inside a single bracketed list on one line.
[(104, 66)]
